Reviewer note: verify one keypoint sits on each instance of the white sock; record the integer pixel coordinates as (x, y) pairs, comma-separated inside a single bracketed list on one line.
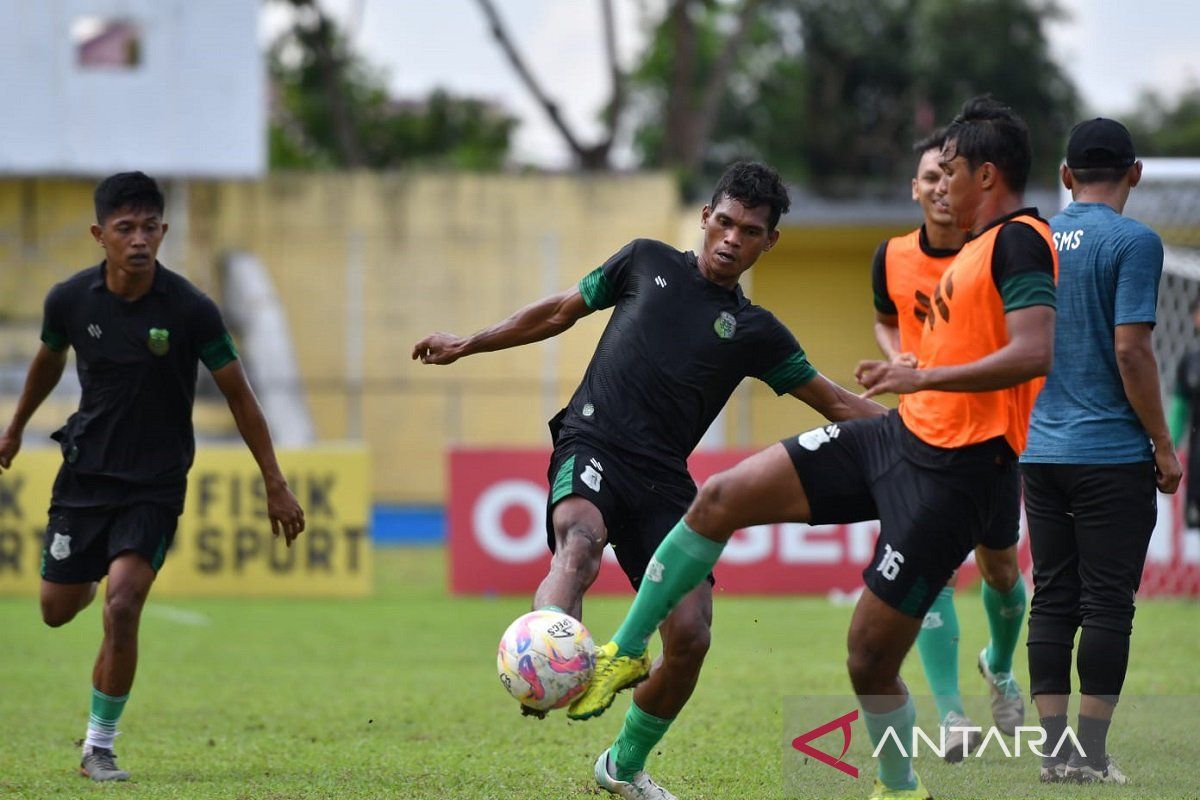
[(99, 737)]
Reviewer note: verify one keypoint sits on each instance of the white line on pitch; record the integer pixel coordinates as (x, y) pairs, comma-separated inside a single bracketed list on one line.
[(180, 615)]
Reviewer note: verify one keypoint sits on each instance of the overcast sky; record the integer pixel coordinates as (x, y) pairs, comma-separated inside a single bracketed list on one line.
[(1112, 49)]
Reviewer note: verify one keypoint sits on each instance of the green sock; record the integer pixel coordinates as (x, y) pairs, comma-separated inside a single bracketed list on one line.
[(551, 608), (637, 738), (1005, 613), (895, 768), (679, 564), (102, 723), (938, 645)]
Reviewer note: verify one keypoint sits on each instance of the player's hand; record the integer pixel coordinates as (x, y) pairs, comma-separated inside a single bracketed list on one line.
[(438, 348), (1167, 469), (10, 445), (287, 517), (880, 377), (905, 360)]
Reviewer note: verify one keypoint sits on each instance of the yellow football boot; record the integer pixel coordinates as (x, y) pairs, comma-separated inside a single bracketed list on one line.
[(882, 792), (612, 674)]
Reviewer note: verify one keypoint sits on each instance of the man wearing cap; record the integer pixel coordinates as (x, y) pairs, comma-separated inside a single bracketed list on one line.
[(1099, 447)]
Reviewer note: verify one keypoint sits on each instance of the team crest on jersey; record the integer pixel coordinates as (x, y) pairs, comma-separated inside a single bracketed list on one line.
[(158, 342), (60, 548), (725, 325)]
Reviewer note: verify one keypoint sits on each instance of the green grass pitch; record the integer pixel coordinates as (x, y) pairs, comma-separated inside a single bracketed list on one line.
[(396, 696)]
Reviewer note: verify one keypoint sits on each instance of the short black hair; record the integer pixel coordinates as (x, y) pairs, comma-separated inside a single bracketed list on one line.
[(135, 191), (753, 184), (1098, 175), (934, 141), (987, 130)]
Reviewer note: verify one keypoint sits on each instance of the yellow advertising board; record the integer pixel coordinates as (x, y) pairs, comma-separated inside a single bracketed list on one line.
[(224, 544)]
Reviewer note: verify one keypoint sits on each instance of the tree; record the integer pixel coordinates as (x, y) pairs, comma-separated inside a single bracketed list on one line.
[(1161, 128), (332, 109), (593, 156), (700, 62), (969, 47), (860, 75), (835, 91), (697, 86)]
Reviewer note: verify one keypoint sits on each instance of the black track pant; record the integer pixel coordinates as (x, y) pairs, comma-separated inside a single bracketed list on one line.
[(1089, 527)]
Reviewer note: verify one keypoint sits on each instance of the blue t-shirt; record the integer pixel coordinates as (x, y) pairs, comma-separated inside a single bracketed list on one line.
[(1108, 271)]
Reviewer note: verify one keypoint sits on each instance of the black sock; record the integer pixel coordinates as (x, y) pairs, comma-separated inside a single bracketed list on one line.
[(1054, 727), (1093, 738)]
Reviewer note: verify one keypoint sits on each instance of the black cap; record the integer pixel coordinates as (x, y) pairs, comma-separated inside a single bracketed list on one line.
[(1100, 143)]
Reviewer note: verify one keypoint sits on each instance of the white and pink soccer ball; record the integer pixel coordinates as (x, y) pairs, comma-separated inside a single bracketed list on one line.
[(545, 659)]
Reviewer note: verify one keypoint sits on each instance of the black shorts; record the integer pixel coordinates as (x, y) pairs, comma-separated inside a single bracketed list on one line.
[(639, 503), (933, 504), (1004, 528), (80, 543)]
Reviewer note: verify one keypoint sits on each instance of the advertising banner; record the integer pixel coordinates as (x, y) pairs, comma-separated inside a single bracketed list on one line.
[(497, 535), (224, 544)]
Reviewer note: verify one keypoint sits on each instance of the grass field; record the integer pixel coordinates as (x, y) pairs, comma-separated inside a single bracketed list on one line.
[(396, 696)]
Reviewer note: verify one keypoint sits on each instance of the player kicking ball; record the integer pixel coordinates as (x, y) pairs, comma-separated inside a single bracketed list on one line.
[(933, 474), (681, 337)]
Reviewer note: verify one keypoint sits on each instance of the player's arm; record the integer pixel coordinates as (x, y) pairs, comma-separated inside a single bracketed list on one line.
[(1138, 272), (1139, 375), (887, 336), (1028, 354), (284, 511), (45, 371), (1023, 273), (835, 403), (540, 320), (887, 318)]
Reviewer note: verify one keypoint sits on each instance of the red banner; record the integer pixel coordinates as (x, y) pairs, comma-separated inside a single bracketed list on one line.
[(497, 521)]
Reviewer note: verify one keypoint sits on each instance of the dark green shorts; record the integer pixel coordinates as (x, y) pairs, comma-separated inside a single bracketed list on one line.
[(80, 543)]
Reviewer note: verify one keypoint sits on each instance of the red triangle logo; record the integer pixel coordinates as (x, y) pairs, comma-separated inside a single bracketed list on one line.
[(843, 722)]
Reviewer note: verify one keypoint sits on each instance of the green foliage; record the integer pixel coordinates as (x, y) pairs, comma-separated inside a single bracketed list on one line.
[(762, 100), (836, 91), (862, 64), (970, 47), (1161, 128), (396, 696), (332, 109)]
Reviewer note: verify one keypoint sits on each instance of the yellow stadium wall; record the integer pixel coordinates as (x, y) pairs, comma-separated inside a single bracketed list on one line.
[(818, 282), (394, 256)]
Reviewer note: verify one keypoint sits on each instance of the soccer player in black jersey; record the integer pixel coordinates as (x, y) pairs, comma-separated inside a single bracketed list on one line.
[(139, 332), (681, 338)]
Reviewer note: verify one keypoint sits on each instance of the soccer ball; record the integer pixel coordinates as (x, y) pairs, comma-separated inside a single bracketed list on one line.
[(545, 659)]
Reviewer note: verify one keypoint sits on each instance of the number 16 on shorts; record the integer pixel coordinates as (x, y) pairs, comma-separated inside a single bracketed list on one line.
[(889, 565)]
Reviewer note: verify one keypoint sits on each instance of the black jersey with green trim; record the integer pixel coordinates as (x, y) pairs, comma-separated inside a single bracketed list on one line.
[(137, 364), (675, 348)]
